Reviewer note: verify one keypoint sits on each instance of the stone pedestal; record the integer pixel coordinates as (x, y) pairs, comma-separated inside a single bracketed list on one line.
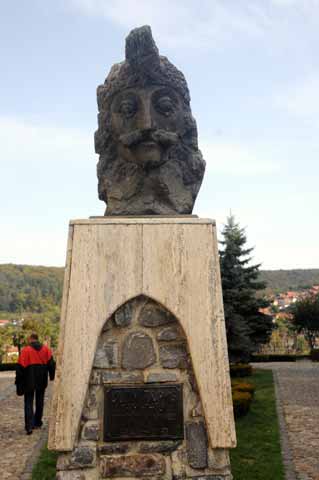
[(142, 306)]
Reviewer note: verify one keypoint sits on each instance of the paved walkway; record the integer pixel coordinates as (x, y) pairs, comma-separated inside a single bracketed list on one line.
[(297, 391), (17, 450)]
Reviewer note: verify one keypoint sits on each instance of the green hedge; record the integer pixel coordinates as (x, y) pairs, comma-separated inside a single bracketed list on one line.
[(240, 370), (278, 358), (241, 403), (6, 367), (240, 386), (315, 355)]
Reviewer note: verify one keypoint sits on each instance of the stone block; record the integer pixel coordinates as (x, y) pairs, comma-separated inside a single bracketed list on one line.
[(64, 475), (90, 410), (178, 464), (122, 377), (151, 466), (174, 356), (63, 461), (218, 458), (161, 377), (192, 381), (196, 444), (82, 457), (91, 431), (114, 448), (91, 401), (169, 334), (138, 351), (89, 413), (153, 315), (123, 316), (210, 477), (108, 325), (164, 447), (106, 355), (95, 378), (197, 411)]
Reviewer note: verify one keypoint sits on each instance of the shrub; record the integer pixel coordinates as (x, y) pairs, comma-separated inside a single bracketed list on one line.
[(239, 386), (5, 367), (315, 355), (241, 403), (273, 357), (278, 357), (241, 370)]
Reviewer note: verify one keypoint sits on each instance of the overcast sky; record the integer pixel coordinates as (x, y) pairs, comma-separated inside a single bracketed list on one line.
[(253, 71)]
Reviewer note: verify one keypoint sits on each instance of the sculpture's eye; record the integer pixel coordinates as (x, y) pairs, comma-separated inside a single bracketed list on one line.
[(128, 108), (165, 105)]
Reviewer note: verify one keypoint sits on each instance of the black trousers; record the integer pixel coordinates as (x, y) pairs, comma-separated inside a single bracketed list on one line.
[(33, 419)]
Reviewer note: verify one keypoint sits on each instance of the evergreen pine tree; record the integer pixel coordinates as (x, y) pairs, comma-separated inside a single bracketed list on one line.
[(246, 326)]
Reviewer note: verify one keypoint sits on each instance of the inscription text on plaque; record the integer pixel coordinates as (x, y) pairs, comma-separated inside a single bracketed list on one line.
[(150, 412)]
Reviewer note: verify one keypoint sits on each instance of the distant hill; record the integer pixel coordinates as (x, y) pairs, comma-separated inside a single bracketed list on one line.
[(26, 288), (283, 280)]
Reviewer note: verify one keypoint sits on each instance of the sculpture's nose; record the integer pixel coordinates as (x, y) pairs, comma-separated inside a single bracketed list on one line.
[(148, 120)]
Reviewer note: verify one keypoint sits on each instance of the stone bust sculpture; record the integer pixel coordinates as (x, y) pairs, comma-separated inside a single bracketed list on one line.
[(149, 160)]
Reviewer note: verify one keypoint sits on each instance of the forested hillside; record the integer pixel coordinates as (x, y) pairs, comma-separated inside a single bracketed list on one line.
[(30, 296), (25, 288), (283, 280)]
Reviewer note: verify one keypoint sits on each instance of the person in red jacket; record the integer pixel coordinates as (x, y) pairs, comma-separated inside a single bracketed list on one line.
[(34, 364)]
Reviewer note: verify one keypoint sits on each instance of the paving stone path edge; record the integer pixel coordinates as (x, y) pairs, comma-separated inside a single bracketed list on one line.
[(287, 457), (32, 460)]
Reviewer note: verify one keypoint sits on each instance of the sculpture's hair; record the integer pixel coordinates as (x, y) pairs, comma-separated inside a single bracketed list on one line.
[(143, 65)]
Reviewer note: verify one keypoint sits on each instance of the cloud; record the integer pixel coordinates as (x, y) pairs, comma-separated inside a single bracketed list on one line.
[(215, 24), (48, 177), (26, 141), (285, 3), (35, 246), (307, 6), (301, 99), (238, 160), (46, 170), (38, 159)]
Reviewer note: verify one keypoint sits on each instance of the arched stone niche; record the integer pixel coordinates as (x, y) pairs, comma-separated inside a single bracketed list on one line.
[(142, 343)]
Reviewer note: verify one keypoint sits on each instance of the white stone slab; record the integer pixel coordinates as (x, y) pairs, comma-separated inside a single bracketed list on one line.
[(173, 261)]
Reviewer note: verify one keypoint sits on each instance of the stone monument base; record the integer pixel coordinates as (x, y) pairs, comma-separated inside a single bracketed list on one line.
[(142, 388)]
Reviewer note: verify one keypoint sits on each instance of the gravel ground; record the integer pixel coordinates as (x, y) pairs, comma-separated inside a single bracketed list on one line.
[(18, 450)]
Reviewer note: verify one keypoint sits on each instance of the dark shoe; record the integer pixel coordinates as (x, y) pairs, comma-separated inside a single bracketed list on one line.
[(29, 432), (38, 425)]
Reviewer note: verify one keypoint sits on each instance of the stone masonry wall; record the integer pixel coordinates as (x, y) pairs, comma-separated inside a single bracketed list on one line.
[(142, 343)]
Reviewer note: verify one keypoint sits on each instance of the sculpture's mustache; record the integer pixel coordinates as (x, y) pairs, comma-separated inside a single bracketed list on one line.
[(139, 136)]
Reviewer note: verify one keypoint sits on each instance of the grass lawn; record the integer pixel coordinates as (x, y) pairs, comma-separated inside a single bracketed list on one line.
[(258, 454), (44, 469)]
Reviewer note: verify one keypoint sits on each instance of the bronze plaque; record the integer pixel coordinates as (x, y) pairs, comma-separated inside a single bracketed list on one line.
[(151, 412)]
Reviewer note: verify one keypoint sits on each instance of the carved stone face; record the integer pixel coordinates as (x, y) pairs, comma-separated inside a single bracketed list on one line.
[(147, 138), (146, 121)]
